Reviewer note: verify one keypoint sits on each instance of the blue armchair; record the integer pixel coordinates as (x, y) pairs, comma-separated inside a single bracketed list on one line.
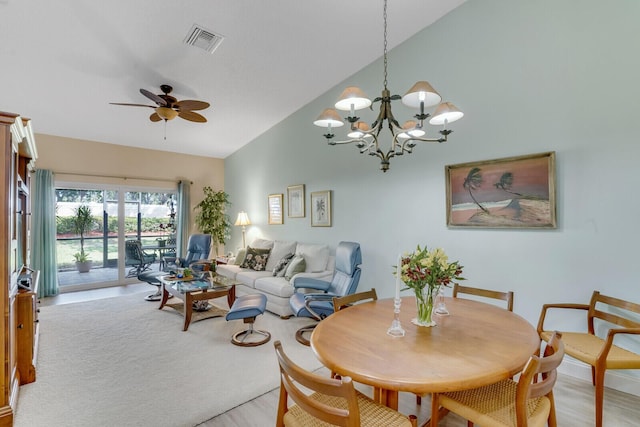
[(198, 249), (318, 303)]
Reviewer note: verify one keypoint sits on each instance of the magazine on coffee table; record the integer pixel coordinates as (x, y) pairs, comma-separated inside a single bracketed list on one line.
[(193, 285)]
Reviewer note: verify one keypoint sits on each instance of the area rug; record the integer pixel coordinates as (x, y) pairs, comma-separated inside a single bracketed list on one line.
[(122, 362)]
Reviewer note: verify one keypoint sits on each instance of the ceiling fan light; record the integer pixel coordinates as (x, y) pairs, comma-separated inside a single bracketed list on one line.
[(446, 111), (421, 92), (352, 96), (166, 113), (329, 118)]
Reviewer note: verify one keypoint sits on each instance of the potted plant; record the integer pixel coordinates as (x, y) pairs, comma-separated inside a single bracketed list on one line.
[(82, 222), (211, 217)]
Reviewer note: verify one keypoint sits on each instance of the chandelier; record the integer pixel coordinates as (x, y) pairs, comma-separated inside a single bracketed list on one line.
[(421, 95)]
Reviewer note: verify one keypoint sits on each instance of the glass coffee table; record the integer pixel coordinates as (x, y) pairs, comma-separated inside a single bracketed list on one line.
[(196, 292)]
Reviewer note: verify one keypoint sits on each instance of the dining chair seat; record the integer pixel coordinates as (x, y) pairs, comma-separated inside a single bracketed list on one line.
[(527, 402), (586, 348), (372, 414), (495, 405)]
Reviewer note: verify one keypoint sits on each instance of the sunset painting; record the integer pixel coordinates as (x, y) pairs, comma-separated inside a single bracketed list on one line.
[(511, 192)]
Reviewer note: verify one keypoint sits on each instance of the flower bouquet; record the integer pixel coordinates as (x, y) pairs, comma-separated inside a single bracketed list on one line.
[(425, 271)]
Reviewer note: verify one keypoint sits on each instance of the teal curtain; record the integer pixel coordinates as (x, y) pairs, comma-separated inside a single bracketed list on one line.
[(43, 233), (182, 235)]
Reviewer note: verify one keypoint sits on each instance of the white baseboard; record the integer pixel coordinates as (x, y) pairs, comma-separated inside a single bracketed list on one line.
[(614, 379)]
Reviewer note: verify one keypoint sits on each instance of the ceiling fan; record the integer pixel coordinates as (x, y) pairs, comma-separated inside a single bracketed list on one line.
[(168, 107)]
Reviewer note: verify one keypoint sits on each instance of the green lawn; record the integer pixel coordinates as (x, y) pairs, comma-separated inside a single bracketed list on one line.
[(93, 247)]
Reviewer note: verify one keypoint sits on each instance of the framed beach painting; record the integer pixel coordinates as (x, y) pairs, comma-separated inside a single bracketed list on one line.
[(295, 201), (275, 209), (513, 192), (321, 208)]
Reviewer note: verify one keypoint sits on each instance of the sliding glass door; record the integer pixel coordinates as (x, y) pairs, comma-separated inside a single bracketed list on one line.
[(93, 224)]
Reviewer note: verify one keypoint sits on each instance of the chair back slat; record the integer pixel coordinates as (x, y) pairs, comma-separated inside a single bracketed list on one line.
[(598, 300), (547, 368), (293, 376), (486, 293), (342, 302)]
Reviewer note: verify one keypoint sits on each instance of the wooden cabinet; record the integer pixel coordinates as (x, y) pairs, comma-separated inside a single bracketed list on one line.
[(18, 312), (27, 330)]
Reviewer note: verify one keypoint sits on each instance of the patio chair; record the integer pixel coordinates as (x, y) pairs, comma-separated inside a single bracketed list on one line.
[(138, 258)]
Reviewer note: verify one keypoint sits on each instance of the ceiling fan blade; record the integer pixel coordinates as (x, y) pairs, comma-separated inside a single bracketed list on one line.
[(132, 105), (191, 105), (192, 117), (155, 117), (155, 98)]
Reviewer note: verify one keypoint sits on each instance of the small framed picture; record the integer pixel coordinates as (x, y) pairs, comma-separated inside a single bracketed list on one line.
[(513, 192), (295, 201), (321, 208), (275, 208)]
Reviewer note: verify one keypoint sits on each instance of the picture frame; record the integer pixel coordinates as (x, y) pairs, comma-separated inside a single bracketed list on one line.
[(321, 208), (275, 209), (511, 192), (295, 201)]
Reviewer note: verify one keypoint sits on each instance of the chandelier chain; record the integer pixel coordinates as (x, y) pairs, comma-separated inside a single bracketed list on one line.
[(384, 17)]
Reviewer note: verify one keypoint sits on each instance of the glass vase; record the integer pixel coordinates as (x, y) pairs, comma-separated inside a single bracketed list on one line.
[(424, 301)]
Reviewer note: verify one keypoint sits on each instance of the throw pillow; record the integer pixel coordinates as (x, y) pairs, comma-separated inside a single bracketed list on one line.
[(256, 259), (316, 256), (282, 264), (262, 244), (297, 265), (240, 256), (280, 249)]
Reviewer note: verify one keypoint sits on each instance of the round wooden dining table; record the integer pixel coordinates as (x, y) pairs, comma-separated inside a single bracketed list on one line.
[(477, 344)]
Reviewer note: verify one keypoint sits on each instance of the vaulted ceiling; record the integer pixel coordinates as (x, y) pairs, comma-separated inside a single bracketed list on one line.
[(64, 61)]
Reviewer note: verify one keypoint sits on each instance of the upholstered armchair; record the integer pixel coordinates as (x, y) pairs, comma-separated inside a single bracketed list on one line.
[(198, 248), (196, 258), (314, 298)]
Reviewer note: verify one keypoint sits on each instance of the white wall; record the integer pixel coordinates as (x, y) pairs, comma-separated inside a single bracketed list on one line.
[(531, 77)]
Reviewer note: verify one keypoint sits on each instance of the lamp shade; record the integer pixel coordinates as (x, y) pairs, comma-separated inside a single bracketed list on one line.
[(411, 130), (329, 118), (419, 92), (352, 96), (166, 113), (446, 111), (243, 219), (359, 131)]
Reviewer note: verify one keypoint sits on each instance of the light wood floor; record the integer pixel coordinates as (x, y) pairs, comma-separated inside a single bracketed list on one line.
[(574, 408), (574, 397)]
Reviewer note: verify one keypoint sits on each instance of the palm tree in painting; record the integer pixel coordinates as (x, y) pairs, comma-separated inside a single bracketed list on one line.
[(473, 182), (505, 183)]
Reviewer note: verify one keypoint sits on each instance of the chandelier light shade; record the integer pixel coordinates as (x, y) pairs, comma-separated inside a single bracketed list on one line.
[(243, 220), (403, 138)]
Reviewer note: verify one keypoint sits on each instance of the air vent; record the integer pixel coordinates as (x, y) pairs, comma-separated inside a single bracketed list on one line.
[(203, 39)]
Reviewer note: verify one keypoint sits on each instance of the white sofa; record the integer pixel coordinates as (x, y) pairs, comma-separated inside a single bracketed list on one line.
[(319, 264)]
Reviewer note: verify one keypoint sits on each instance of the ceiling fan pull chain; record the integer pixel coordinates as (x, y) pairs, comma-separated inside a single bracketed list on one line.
[(165, 129)]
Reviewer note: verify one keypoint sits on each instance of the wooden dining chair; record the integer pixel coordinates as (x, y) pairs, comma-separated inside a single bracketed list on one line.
[(607, 318), (486, 293), (332, 401), (527, 402), (345, 301)]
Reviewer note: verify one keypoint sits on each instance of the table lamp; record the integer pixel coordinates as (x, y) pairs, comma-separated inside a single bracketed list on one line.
[(243, 220)]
